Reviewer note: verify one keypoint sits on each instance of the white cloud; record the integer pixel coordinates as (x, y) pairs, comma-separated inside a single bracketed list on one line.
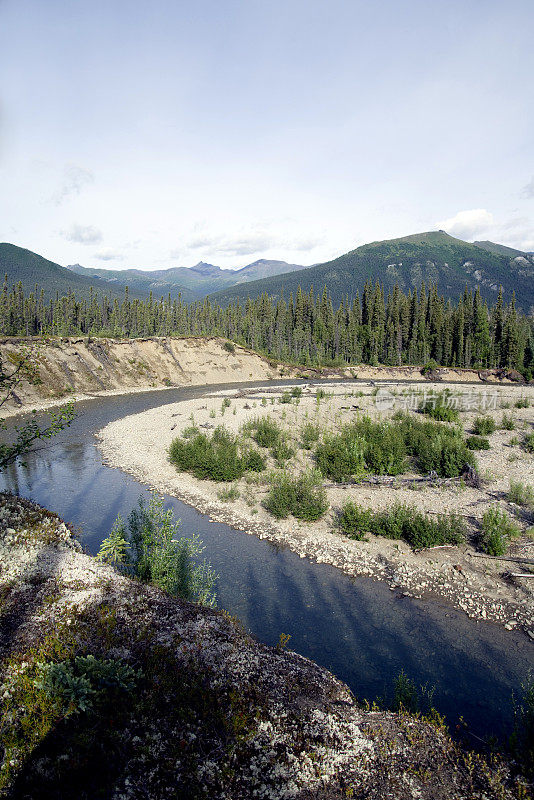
[(468, 224), (108, 255), (528, 190), (254, 240), (73, 181), (83, 234)]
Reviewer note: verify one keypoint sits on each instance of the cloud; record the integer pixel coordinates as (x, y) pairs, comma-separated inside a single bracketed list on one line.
[(468, 224), (83, 234), (74, 180), (528, 190), (109, 255), (246, 242)]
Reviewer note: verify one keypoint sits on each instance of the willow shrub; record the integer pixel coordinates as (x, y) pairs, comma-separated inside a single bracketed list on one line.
[(402, 522), (265, 431), (440, 407), (217, 458), (382, 448), (303, 496), (498, 529)]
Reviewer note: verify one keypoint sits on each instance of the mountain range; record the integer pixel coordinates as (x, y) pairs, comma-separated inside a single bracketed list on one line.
[(433, 257)]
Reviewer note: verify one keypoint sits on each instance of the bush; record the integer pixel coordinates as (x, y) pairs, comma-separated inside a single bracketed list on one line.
[(522, 494), (150, 549), (304, 497), (228, 495), (523, 402), (253, 461), (430, 366), (296, 391), (282, 451), (440, 407), (497, 531), (507, 423), (483, 426), (477, 443), (217, 458), (528, 442), (309, 435), (286, 397), (363, 446), (264, 430), (401, 522), (229, 347)]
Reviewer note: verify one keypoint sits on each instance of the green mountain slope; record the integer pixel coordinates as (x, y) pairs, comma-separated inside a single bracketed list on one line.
[(433, 257), (31, 269)]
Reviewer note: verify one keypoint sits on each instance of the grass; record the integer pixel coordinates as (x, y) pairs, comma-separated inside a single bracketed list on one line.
[(303, 496), (384, 448), (498, 529), (523, 402), (507, 423), (219, 458), (401, 522), (522, 494), (483, 426), (228, 495)]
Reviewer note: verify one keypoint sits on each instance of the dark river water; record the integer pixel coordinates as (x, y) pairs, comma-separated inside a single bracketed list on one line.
[(357, 628)]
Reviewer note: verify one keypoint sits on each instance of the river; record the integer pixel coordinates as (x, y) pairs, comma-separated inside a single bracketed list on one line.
[(357, 628)]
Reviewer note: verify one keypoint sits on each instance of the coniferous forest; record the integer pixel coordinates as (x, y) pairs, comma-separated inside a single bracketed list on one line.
[(399, 328)]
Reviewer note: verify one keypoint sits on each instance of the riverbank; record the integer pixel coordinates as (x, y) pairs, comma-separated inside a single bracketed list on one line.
[(192, 702), (76, 369), (481, 587)]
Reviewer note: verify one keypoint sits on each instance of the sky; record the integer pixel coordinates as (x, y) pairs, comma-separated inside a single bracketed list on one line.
[(163, 133)]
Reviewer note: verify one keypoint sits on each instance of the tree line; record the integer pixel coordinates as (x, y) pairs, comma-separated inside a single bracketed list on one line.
[(400, 328)]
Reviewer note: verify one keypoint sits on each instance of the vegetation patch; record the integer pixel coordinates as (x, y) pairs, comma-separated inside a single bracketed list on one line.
[(303, 496), (441, 407), (401, 522), (217, 458), (483, 426), (498, 529), (477, 443), (265, 431)]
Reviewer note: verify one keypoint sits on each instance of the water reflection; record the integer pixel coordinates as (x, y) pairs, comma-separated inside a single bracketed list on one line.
[(358, 628)]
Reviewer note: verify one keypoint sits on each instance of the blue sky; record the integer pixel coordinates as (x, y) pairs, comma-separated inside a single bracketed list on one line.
[(161, 134)]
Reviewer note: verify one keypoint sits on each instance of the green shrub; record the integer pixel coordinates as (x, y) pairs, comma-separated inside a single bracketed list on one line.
[(282, 451), (229, 347), (303, 496), (402, 522), (228, 495), (430, 366), (497, 531), (226, 403), (436, 448), (264, 430), (218, 458), (477, 443), (296, 391), (149, 547), (363, 446), (523, 402), (253, 461), (286, 397), (522, 494), (440, 407), (528, 442), (507, 423), (483, 426), (309, 435)]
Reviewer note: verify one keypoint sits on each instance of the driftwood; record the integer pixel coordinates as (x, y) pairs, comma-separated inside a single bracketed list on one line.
[(517, 560), (397, 482), (521, 574)]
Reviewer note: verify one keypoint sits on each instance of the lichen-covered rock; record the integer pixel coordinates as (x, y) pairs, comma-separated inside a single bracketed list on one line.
[(205, 711)]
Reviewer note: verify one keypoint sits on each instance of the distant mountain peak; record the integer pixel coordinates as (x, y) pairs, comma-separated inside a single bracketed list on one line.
[(204, 268)]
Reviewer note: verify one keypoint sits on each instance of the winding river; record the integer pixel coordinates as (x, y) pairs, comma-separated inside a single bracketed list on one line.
[(357, 628)]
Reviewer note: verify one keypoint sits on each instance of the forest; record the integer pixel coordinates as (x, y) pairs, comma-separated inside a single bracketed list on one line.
[(400, 328)]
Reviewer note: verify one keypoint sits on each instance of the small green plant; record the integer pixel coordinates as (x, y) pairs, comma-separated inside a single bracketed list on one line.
[(523, 402), (228, 495), (514, 441), (282, 451), (226, 403), (522, 494), (213, 413), (528, 442), (483, 426), (498, 529), (149, 547), (477, 443), (507, 422), (430, 366), (441, 407), (285, 398), (265, 431), (264, 401), (401, 522), (296, 391), (229, 346), (309, 435), (304, 496)]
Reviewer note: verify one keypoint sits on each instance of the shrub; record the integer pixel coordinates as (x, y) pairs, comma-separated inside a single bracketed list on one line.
[(363, 446), (522, 494), (228, 495), (529, 442), (229, 346), (523, 402), (303, 496), (264, 430), (226, 403), (254, 461), (436, 448), (483, 426), (477, 443), (282, 451), (286, 397), (309, 435), (149, 548), (430, 366), (296, 391), (497, 531), (402, 522), (440, 407), (507, 423), (217, 458)]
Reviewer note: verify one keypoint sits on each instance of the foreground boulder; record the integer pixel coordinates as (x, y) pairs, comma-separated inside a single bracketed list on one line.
[(112, 689)]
